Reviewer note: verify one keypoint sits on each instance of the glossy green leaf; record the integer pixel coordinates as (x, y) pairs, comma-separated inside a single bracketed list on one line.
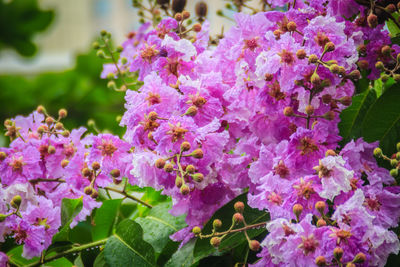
[(352, 117), (100, 260), (69, 209), (105, 218), (127, 247), (158, 225), (183, 257)]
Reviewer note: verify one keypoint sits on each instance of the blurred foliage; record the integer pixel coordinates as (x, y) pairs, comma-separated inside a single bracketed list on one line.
[(20, 20), (79, 90)]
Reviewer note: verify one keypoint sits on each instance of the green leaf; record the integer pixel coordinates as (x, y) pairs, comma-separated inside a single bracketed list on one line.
[(105, 218), (158, 225), (169, 249), (69, 209), (382, 121), (127, 247), (393, 29), (100, 261), (183, 257), (15, 257), (203, 247), (352, 117)]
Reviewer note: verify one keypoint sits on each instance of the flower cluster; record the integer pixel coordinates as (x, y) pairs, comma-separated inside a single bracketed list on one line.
[(46, 163), (260, 111)]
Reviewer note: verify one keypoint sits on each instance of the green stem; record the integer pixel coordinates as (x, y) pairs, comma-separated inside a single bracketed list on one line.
[(129, 196), (69, 251)]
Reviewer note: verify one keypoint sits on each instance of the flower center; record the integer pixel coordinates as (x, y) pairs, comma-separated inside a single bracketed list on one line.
[(307, 146), (153, 98), (309, 244), (287, 57), (275, 198)]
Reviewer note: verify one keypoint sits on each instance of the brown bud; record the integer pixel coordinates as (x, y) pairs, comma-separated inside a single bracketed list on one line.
[(363, 64), (386, 50), (215, 241), (62, 113), (315, 79), (178, 182), (185, 14), (338, 253), (291, 26), (321, 222), (185, 190), (391, 8), (64, 163), (301, 54), (238, 217), (277, 34), (51, 150), (360, 258), (309, 110), (297, 210), (3, 155), (320, 261), (94, 194), (330, 152), (115, 173), (320, 206), (197, 153), (178, 5), (49, 121), (160, 163), (198, 177), (329, 47), (268, 77), (312, 58), (201, 9), (254, 245), (178, 17), (168, 167), (355, 75), (197, 27), (372, 20), (350, 264), (396, 77), (65, 133), (59, 126), (346, 100), (327, 98), (185, 146), (86, 172), (217, 223), (362, 49), (95, 165), (330, 115), (88, 190), (239, 206), (334, 69), (40, 109), (288, 111), (153, 116)]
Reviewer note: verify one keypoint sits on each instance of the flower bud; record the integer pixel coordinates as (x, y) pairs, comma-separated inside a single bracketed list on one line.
[(153, 116), (254, 245), (398, 146), (64, 163), (191, 111), (111, 85), (386, 50), (62, 113), (103, 33), (330, 152), (185, 14), (363, 64), (346, 100), (65, 133), (115, 173), (197, 27), (217, 223), (88, 190), (334, 68), (321, 222), (291, 26), (3, 217), (320, 261), (338, 253), (394, 173), (288, 111), (312, 58), (49, 121), (396, 77), (320, 206), (16, 201), (378, 152), (237, 217), (3, 155), (185, 146), (41, 129), (196, 230), (185, 190), (198, 177), (86, 172), (168, 167), (384, 77), (301, 54), (94, 194), (201, 9), (315, 79), (95, 165), (178, 182), (398, 155), (160, 163), (362, 49), (239, 206), (327, 98), (215, 241), (372, 20), (178, 5), (297, 210), (119, 49), (355, 75), (379, 65), (100, 53), (350, 264), (59, 126), (268, 77), (329, 47), (40, 109), (197, 153), (394, 162), (359, 258), (330, 115), (309, 110), (51, 150), (96, 45), (391, 8), (190, 168)]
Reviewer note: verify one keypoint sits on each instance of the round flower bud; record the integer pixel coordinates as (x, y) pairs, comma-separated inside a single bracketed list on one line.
[(3, 155), (190, 168), (350, 264), (329, 47), (394, 162), (288, 111), (394, 173), (178, 5), (191, 111), (379, 65), (301, 54), (178, 182), (277, 34), (217, 223), (291, 26), (115, 173), (119, 49), (390, 8), (327, 98), (40, 109), (315, 79), (197, 27), (65, 133), (51, 150), (320, 261), (196, 230), (103, 33), (185, 190), (398, 146), (239, 206), (94, 194), (330, 115), (268, 77), (160, 163), (197, 153), (3, 217), (201, 9), (398, 155), (86, 172), (355, 75), (96, 45), (254, 245), (95, 165), (62, 113), (41, 129), (309, 110), (215, 241), (168, 167), (346, 100), (312, 58), (363, 64), (378, 152), (198, 177), (185, 14), (362, 49), (88, 190), (372, 20), (100, 53), (386, 50), (297, 210), (237, 217), (185, 146), (64, 163), (16, 201), (334, 68), (320, 206), (321, 222), (360, 258), (384, 77), (178, 17), (49, 121), (330, 152), (153, 116), (396, 77), (59, 126), (338, 253)]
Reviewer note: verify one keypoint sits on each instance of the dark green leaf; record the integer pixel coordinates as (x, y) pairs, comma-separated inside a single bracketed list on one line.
[(69, 209), (105, 218), (127, 247), (100, 261), (158, 225), (183, 257), (169, 249)]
